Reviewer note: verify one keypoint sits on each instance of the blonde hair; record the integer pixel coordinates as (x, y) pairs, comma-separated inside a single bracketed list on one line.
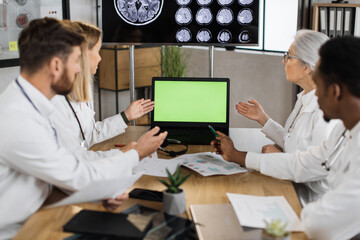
[(83, 84)]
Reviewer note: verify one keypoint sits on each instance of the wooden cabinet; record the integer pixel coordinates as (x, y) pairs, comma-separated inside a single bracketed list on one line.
[(336, 19), (114, 67)]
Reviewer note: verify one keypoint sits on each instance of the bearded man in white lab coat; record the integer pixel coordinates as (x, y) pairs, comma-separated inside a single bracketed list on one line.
[(32, 160)]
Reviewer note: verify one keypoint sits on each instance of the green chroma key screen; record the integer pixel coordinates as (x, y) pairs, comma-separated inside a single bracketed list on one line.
[(190, 101)]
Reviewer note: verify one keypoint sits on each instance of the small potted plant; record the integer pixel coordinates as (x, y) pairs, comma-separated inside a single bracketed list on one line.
[(174, 197), (275, 230)]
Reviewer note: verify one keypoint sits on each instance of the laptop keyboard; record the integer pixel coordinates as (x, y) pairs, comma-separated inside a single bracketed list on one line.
[(201, 136), (189, 131)]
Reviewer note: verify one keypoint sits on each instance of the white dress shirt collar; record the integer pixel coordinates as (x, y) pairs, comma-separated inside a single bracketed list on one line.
[(308, 101), (41, 102)]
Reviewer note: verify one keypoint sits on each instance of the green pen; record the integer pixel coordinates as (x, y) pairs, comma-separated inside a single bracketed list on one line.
[(213, 131)]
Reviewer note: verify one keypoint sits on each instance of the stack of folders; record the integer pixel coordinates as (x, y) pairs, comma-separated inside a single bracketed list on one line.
[(339, 21)]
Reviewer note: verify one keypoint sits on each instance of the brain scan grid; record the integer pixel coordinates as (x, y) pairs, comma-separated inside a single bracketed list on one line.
[(191, 21), (204, 16)]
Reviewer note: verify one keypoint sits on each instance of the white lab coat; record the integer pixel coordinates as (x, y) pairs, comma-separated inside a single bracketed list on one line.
[(68, 132), (94, 132), (336, 215), (304, 128), (32, 159)]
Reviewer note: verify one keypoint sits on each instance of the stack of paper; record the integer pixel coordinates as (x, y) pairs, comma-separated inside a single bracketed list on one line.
[(253, 211)]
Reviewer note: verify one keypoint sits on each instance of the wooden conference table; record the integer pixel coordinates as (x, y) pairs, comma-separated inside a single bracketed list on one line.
[(47, 223)]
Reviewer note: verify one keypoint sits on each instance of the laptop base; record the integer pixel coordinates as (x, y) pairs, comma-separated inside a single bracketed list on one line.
[(192, 136)]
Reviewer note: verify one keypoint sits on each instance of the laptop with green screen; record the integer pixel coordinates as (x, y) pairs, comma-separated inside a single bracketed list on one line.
[(186, 106)]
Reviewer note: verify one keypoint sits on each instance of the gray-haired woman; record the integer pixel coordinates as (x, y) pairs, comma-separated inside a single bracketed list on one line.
[(305, 126)]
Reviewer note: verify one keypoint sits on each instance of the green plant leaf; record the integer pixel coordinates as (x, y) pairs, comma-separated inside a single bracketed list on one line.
[(173, 189), (176, 174), (164, 182), (276, 228), (174, 181), (170, 177), (181, 181)]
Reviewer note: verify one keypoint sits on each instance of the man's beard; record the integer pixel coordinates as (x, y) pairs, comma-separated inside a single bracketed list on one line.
[(64, 85)]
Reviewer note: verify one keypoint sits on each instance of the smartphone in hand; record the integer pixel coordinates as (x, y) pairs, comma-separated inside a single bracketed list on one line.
[(146, 194)]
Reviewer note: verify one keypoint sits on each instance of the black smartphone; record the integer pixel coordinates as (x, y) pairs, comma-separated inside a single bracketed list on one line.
[(140, 209), (146, 194)]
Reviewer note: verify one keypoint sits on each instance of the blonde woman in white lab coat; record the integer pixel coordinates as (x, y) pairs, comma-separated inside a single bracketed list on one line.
[(305, 126), (79, 107)]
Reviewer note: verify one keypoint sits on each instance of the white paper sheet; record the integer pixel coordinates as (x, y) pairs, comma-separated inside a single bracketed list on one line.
[(100, 190), (249, 139), (252, 211), (154, 166), (208, 164)]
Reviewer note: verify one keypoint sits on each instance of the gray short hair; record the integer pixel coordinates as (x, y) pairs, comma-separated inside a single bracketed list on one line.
[(307, 44)]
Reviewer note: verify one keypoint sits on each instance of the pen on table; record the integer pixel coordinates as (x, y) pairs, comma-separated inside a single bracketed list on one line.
[(213, 131), (120, 145)]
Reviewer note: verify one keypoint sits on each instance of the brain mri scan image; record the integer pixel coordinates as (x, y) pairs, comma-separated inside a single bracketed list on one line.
[(183, 2), (204, 2), (245, 2), (183, 16), (225, 16), (138, 12), (203, 36), (183, 35), (204, 16), (245, 16), (225, 2), (244, 37), (224, 36)]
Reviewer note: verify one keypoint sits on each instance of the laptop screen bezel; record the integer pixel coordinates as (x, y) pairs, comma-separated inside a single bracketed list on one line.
[(191, 124)]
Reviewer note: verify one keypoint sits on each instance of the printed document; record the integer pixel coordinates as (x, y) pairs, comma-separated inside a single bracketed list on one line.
[(253, 211), (100, 190), (154, 166), (208, 164)]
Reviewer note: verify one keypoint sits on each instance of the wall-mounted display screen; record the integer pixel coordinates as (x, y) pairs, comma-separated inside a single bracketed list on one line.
[(204, 22)]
